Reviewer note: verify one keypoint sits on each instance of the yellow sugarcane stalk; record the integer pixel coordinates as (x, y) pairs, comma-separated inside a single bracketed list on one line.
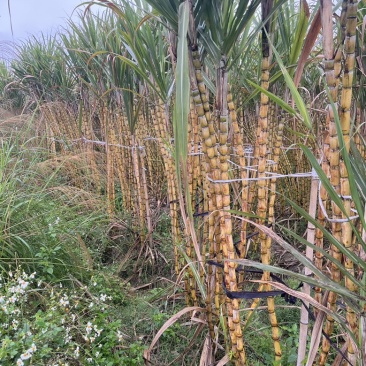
[(333, 71), (262, 142), (158, 121), (238, 148), (223, 202), (199, 96), (345, 120)]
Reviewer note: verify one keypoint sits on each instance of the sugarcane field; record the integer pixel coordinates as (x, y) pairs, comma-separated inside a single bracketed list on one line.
[(182, 183)]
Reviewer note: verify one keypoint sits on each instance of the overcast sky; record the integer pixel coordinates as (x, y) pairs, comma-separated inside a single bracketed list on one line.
[(33, 16)]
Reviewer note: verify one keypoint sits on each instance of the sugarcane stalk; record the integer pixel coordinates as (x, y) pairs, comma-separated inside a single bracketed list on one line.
[(345, 120), (332, 72)]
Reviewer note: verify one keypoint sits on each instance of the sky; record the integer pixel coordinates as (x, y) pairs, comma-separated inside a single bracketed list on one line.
[(33, 16)]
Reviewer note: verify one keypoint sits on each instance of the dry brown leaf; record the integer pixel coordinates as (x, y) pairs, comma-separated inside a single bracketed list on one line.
[(316, 333), (166, 325), (206, 355), (308, 46), (297, 294), (224, 361), (339, 358)]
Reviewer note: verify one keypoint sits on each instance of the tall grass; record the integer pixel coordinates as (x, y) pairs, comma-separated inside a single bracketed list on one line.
[(44, 223)]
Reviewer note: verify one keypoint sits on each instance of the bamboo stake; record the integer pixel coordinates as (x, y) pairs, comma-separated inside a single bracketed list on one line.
[(304, 317)]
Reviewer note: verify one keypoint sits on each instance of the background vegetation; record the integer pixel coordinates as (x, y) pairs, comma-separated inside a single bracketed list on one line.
[(182, 182)]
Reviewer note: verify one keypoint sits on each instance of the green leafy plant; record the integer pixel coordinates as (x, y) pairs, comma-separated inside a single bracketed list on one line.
[(53, 324)]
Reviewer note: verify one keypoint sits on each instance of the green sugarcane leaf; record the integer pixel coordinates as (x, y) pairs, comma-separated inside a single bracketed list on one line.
[(346, 159), (327, 234), (324, 282), (300, 104), (299, 36), (323, 178), (277, 100), (339, 265)]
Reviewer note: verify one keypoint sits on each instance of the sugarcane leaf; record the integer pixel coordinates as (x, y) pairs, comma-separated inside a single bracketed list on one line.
[(195, 273), (300, 104), (327, 282), (346, 159), (298, 39), (277, 100), (359, 168), (210, 85), (182, 105), (303, 241), (323, 178)]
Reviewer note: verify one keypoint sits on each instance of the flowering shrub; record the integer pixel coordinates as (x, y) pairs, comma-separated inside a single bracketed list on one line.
[(45, 325)]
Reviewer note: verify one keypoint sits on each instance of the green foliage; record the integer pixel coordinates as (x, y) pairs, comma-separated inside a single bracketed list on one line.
[(39, 225), (11, 97), (57, 325), (259, 337)]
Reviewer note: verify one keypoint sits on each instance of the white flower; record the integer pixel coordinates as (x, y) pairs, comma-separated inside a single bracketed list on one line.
[(91, 305), (64, 301), (23, 284), (13, 299), (103, 297), (73, 317), (77, 352), (90, 360), (26, 355), (20, 362), (89, 328), (98, 331), (33, 348), (97, 354), (119, 336), (94, 283), (15, 323)]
